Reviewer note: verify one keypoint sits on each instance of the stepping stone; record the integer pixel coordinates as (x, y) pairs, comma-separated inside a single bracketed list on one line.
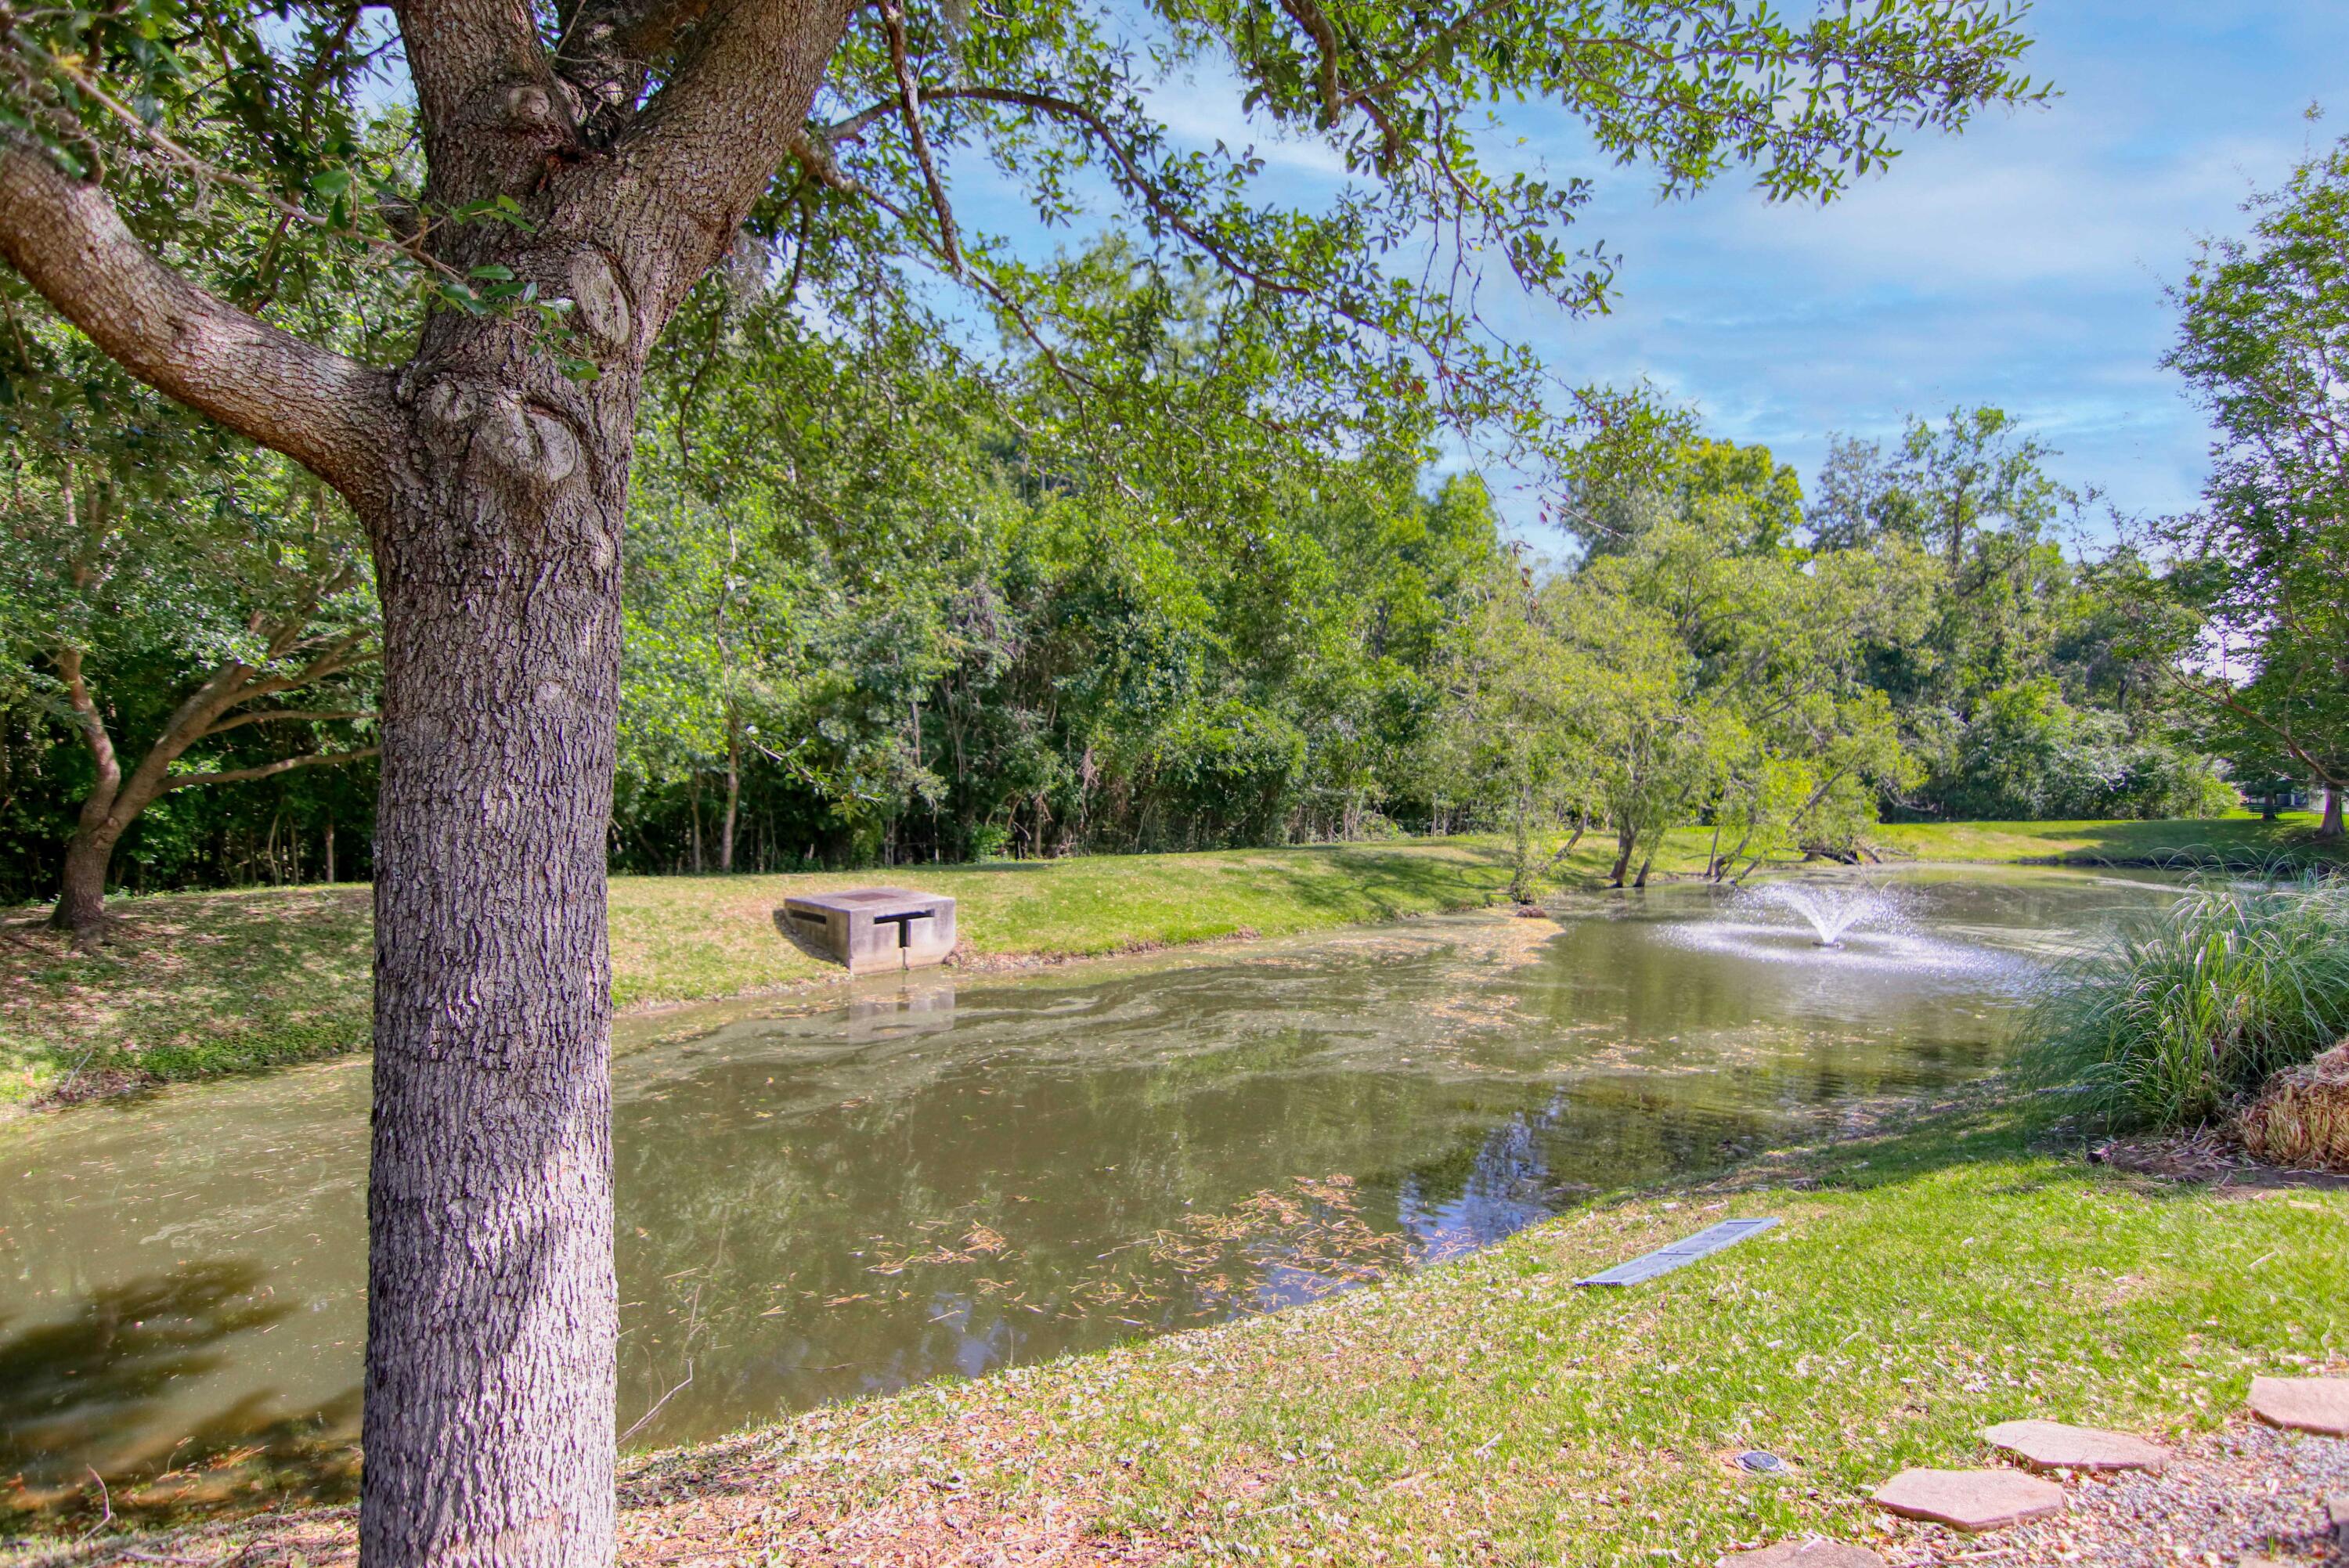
[(2319, 1405), (1812, 1554), (2336, 1513), (2052, 1445), (1970, 1499)]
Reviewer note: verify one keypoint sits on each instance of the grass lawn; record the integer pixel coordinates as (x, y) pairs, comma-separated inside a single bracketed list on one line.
[(195, 984), (2241, 839), (1924, 1284)]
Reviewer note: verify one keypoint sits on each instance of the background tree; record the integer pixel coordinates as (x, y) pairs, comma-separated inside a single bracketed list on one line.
[(168, 594), (2016, 678), (583, 168), (2263, 342)]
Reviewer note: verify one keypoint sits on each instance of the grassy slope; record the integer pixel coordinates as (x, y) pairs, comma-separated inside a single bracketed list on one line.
[(2240, 838), (200, 983), (1924, 1284), (1934, 1282), (197, 984)]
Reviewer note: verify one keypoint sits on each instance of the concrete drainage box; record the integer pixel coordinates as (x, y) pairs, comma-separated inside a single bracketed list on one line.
[(873, 929)]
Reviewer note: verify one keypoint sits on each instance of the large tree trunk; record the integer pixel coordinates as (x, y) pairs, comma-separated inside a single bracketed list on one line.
[(81, 891), (492, 483), (2330, 826), (487, 1412)]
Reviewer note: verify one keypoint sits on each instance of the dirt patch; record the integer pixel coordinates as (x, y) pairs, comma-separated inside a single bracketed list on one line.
[(82, 1087), (820, 1492), (2208, 1157)]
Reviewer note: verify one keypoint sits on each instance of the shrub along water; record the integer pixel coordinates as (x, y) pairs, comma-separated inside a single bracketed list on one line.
[(2181, 1014)]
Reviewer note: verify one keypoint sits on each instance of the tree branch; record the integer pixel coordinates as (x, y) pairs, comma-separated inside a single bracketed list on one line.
[(893, 21), (605, 52), (698, 155), (330, 413), (92, 725), (2281, 731), (1335, 100), (269, 770), (1130, 174), (269, 715)]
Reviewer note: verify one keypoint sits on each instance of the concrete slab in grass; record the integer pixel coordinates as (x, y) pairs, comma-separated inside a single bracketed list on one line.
[(873, 930), (2052, 1445), (1970, 1499), (1681, 1254)]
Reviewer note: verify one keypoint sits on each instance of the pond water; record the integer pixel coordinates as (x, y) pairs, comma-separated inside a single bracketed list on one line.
[(952, 1174)]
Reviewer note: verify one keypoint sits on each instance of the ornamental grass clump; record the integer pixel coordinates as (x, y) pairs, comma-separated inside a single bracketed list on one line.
[(2182, 1014)]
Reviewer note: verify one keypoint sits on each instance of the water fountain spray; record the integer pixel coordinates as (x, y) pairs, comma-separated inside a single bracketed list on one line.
[(1831, 911)]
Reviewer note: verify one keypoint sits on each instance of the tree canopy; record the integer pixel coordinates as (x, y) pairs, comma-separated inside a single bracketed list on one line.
[(2263, 342), (180, 180)]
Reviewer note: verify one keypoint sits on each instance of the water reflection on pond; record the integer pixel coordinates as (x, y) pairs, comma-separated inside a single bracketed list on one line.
[(949, 1177)]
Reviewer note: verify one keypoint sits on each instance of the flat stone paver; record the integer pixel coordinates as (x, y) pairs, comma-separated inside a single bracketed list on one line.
[(2319, 1405), (2052, 1445), (1970, 1499), (1803, 1554)]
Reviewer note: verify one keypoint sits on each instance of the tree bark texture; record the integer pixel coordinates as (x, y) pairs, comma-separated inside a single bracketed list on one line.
[(2329, 826), (487, 1412)]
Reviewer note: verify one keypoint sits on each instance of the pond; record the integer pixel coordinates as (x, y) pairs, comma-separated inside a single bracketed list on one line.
[(952, 1174)]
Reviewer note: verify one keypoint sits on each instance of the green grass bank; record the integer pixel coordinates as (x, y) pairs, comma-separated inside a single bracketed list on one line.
[(196, 985), (2243, 839), (1925, 1282), (1922, 1285)]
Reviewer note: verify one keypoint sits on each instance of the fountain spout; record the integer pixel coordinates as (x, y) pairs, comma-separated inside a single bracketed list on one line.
[(1830, 910)]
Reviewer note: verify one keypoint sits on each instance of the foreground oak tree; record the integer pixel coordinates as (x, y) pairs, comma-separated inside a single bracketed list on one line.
[(584, 163)]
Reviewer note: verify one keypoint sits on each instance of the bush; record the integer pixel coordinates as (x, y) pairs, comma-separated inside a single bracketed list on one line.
[(2028, 755), (2181, 1014)]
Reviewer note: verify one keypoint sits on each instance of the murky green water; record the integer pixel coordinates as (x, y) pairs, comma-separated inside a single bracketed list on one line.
[(949, 1176)]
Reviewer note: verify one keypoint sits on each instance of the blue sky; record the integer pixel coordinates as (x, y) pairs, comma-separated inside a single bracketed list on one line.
[(2021, 263)]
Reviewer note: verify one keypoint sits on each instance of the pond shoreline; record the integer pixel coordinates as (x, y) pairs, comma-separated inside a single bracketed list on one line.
[(213, 985), (1957, 1268)]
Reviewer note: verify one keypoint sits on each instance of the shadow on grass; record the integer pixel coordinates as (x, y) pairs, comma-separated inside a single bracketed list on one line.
[(1992, 1122), (2235, 845), (73, 1392), (1385, 885)]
